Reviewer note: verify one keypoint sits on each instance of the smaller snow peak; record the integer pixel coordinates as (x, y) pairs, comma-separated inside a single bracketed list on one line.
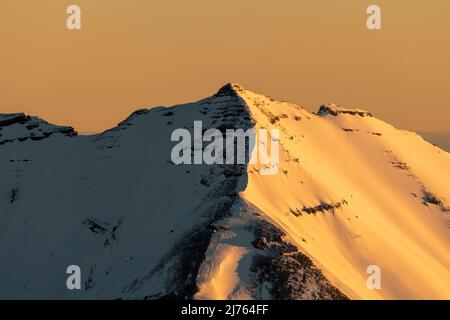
[(134, 116), (334, 110), (22, 127), (230, 89)]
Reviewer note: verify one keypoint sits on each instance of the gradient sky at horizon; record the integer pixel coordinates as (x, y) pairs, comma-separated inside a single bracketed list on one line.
[(143, 53)]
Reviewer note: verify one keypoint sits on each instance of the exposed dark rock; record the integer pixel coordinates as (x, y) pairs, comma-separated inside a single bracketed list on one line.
[(284, 272), (14, 195), (322, 207), (400, 165), (95, 225), (429, 198), (331, 109), (10, 119)]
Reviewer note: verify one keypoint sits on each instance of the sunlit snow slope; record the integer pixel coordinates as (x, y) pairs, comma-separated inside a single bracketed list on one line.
[(351, 192)]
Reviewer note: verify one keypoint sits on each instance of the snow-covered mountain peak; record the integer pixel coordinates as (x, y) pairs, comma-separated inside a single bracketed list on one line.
[(351, 192), (231, 89)]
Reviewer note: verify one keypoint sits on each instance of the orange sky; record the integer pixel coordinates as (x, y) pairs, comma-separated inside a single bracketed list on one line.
[(142, 53)]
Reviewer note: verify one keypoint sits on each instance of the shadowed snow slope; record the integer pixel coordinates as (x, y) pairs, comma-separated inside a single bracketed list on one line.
[(351, 192)]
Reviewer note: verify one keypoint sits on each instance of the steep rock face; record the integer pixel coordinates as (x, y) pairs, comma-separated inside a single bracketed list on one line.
[(142, 227)]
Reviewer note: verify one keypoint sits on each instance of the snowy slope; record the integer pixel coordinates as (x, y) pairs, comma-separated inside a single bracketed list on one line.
[(352, 191), (356, 192)]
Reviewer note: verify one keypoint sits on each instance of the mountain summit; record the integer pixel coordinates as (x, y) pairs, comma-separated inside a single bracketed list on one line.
[(352, 193)]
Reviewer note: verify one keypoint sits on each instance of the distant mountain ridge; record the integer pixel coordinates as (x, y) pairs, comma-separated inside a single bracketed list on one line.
[(440, 139)]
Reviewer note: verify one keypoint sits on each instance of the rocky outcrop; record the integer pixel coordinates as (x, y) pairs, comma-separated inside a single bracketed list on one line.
[(21, 127), (334, 110)]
